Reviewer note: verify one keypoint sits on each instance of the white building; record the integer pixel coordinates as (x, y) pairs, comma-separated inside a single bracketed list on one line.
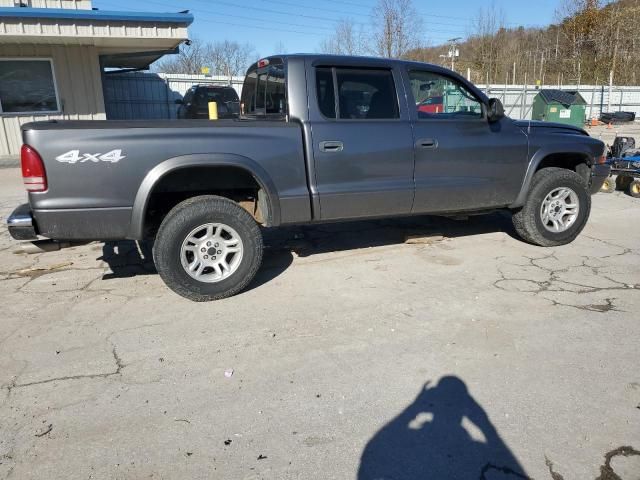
[(53, 54)]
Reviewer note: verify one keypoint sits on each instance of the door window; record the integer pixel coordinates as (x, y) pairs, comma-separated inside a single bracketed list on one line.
[(363, 94), (438, 96)]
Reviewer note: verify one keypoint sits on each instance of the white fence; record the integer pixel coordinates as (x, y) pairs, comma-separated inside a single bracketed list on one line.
[(153, 95), (518, 99)]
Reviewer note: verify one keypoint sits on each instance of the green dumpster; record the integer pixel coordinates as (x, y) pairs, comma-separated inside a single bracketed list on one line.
[(559, 106)]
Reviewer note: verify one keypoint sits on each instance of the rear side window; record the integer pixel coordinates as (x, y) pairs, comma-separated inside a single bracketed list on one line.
[(363, 94), (264, 91)]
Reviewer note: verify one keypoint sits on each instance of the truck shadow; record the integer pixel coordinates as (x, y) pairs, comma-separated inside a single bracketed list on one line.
[(443, 433), (331, 237), (128, 258)]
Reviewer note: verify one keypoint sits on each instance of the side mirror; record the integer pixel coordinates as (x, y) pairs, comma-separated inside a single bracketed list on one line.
[(178, 101), (495, 111)]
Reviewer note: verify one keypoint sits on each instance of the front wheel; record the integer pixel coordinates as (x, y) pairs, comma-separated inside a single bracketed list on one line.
[(207, 248), (634, 188), (556, 210)]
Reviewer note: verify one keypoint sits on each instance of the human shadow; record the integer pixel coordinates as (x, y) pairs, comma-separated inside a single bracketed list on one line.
[(443, 434)]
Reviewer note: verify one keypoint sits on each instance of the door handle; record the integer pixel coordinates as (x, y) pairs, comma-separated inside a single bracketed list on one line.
[(427, 143), (331, 146)]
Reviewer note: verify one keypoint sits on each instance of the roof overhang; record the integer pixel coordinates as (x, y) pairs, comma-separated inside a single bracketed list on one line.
[(137, 60), (25, 13), (113, 33)]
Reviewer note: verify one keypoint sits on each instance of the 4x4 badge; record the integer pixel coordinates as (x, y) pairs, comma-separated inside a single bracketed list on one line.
[(74, 156)]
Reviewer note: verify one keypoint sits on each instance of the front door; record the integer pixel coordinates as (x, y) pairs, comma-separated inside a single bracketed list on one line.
[(362, 143), (463, 162)]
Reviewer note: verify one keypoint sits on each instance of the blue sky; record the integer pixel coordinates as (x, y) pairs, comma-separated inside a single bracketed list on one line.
[(300, 25)]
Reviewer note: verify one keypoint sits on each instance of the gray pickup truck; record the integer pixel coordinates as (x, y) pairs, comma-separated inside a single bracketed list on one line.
[(320, 138)]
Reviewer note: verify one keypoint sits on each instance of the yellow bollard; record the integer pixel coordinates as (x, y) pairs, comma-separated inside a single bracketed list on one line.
[(213, 111)]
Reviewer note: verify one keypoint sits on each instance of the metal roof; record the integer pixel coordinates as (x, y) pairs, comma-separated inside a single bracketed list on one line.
[(99, 15)]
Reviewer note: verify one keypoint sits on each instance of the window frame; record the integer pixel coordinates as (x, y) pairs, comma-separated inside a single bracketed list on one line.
[(336, 92), (58, 110), (437, 116)]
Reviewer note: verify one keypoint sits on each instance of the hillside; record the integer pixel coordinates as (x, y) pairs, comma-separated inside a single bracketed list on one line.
[(587, 42)]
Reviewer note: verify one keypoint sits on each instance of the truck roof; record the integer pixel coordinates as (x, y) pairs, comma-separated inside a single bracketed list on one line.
[(355, 61)]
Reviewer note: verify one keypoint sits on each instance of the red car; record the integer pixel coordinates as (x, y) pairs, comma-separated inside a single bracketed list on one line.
[(431, 105)]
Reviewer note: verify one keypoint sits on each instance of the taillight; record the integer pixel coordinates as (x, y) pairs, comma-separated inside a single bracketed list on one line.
[(33, 174)]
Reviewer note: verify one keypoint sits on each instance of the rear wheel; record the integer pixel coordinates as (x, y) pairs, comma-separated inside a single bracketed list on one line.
[(634, 188), (208, 248), (608, 186), (556, 209)]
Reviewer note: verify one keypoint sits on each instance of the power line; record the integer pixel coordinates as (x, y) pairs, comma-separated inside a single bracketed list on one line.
[(263, 25), (298, 5)]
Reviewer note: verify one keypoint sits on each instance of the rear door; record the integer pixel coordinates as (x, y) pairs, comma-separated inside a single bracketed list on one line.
[(362, 142), (463, 162)]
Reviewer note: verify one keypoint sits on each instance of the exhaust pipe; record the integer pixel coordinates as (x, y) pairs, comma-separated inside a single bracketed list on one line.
[(41, 246)]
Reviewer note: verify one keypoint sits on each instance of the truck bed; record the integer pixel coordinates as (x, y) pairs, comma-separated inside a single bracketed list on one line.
[(97, 171)]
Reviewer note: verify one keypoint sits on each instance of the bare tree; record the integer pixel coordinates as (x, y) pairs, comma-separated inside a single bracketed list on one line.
[(230, 58), (397, 28), (226, 58), (348, 39), (488, 29), (190, 59)]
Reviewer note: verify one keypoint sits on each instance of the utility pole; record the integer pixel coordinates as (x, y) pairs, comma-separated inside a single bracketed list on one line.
[(453, 50)]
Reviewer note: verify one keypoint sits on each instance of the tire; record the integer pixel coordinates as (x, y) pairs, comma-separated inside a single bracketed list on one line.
[(634, 188), (221, 222), (528, 220), (608, 186), (622, 182)]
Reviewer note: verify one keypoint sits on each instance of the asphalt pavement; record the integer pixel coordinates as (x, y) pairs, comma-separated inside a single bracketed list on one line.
[(353, 355)]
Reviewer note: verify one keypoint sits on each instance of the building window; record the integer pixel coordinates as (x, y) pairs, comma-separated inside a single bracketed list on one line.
[(27, 86)]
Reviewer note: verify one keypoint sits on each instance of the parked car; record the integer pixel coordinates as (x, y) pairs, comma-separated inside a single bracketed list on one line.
[(326, 138), (431, 105), (195, 103)]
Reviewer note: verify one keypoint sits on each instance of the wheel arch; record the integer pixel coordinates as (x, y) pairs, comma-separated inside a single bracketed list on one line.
[(558, 157), (217, 160)]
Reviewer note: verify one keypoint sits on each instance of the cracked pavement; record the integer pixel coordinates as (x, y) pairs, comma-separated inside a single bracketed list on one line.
[(104, 373)]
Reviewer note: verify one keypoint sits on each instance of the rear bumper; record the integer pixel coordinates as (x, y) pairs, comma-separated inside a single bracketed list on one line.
[(21, 225), (599, 173)]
